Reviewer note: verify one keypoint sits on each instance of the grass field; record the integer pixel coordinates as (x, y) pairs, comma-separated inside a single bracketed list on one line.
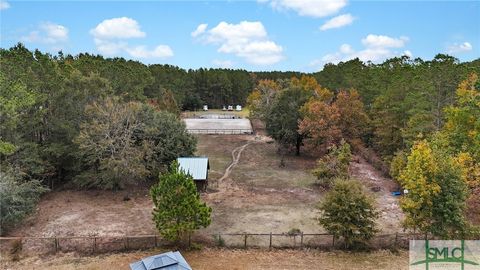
[(221, 259)]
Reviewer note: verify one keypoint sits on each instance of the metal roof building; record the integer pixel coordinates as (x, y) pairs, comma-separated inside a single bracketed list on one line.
[(165, 261), (198, 168)]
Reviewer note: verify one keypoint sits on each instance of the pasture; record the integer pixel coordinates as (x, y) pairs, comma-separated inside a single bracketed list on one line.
[(257, 196)]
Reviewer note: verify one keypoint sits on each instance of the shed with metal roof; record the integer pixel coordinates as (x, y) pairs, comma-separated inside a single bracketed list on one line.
[(165, 261), (198, 168)]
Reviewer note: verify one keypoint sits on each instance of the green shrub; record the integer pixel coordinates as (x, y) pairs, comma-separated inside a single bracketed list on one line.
[(398, 163), (349, 213), (18, 198), (333, 165)]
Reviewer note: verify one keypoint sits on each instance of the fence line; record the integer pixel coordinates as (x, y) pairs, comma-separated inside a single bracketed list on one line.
[(219, 131), (100, 244)]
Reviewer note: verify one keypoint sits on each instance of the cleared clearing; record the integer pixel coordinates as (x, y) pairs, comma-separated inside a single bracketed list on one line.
[(257, 196)]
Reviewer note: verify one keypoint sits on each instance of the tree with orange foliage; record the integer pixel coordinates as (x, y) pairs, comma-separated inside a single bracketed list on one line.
[(353, 118), (320, 123)]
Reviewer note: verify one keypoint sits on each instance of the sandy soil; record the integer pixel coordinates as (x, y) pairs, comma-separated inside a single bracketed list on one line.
[(391, 215), (87, 213), (213, 259)]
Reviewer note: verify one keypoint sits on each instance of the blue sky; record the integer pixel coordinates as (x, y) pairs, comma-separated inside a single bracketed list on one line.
[(298, 35)]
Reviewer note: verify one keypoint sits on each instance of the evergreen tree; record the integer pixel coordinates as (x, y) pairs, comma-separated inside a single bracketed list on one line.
[(178, 209), (18, 198), (284, 116)]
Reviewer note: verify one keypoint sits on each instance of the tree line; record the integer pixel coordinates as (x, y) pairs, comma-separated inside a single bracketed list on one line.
[(426, 128), (89, 121)]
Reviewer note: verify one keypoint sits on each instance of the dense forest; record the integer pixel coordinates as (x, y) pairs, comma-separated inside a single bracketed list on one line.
[(56, 110)]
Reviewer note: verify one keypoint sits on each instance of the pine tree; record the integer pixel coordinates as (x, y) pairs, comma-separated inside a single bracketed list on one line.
[(178, 209)]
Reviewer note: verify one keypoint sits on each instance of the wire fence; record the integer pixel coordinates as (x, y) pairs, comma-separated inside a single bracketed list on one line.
[(104, 244), (220, 131)]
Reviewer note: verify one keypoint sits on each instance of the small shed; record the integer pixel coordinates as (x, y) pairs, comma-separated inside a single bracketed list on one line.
[(205, 107), (230, 107), (165, 261), (238, 108), (198, 168)]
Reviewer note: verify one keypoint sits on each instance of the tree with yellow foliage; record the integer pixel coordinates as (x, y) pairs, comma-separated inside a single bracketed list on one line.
[(462, 129), (435, 201), (310, 84), (262, 97)]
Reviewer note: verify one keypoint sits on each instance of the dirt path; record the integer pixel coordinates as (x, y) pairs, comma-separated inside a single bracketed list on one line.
[(236, 153), (390, 213)]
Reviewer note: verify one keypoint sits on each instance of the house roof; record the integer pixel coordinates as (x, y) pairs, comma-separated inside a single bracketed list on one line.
[(165, 261), (197, 167)]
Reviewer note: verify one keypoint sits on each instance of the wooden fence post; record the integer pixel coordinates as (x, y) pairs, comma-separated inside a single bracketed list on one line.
[(155, 243), (396, 240), (270, 246), (301, 240), (333, 240), (94, 244), (125, 241), (56, 244), (245, 244)]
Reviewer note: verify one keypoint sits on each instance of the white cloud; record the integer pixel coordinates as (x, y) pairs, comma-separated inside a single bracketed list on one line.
[(200, 29), (55, 32), (379, 41), (248, 40), (337, 22), (118, 28), (160, 51), (55, 35), (4, 5), (376, 49), (222, 63), (346, 49), (110, 48), (459, 48), (111, 35), (311, 8)]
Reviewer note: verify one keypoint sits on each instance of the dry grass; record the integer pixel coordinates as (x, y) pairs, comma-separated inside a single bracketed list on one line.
[(258, 197), (213, 259), (260, 167)]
